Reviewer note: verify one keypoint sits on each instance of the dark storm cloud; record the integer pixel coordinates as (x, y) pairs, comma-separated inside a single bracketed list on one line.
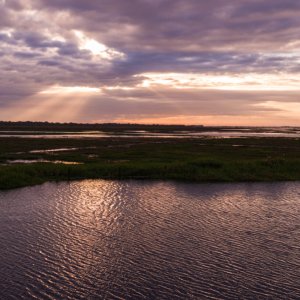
[(267, 7), (4, 37), (36, 40), (202, 62), (25, 54), (184, 24)]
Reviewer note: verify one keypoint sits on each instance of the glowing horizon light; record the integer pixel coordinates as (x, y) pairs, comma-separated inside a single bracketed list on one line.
[(70, 89), (241, 82), (118, 87), (284, 108), (96, 48)]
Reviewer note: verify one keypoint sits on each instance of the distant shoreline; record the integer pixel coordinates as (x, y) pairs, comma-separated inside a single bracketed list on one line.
[(71, 126)]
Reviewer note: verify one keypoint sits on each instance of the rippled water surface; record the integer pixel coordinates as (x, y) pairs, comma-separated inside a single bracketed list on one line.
[(150, 240)]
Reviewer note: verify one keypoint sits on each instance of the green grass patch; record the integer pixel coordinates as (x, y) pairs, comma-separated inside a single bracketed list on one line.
[(199, 160)]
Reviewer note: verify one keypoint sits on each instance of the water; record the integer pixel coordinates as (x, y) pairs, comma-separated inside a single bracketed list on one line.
[(33, 161), (287, 132), (98, 239), (51, 151)]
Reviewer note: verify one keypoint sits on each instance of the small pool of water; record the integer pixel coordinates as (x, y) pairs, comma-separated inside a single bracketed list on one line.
[(33, 161)]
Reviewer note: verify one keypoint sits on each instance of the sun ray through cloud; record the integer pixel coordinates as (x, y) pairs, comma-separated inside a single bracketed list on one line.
[(190, 56)]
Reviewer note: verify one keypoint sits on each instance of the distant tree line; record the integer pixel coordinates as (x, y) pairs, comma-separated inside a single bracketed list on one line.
[(108, 127)]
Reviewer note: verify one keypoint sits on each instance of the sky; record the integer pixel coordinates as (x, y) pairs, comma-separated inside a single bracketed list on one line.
[(214, 62)]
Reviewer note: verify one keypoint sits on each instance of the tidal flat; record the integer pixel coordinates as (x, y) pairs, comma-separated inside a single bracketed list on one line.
[(119, 156)]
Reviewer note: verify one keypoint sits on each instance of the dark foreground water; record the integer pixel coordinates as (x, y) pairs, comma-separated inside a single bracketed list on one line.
[(150, 240)]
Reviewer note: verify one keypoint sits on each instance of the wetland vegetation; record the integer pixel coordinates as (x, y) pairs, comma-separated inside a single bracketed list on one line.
[(187, 159)]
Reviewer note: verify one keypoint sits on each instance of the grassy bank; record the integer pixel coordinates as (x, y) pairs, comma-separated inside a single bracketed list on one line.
[(227, 160)]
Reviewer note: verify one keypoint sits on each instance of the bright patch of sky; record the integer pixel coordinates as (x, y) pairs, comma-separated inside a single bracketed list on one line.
[(96, 48), (258, 82), (70, 90)]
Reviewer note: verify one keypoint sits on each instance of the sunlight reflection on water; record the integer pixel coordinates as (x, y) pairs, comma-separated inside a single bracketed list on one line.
[(97, 239)]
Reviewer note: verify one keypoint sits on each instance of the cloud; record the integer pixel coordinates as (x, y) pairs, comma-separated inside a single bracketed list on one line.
[(185, 25), (139, 53)]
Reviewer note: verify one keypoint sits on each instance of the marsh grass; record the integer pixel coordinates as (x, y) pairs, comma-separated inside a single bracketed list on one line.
[(205, 160)]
